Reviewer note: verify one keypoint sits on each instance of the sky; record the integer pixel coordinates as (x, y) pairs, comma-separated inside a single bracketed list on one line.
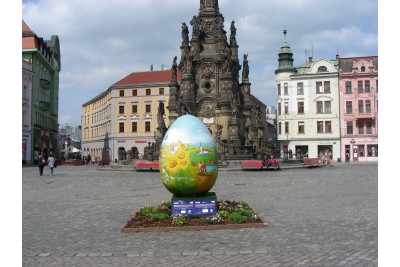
[(104, 41)]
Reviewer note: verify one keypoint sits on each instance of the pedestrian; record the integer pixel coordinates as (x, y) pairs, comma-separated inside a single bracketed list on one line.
[(347, 157), (41, 163), (88, 160), (50, 162)]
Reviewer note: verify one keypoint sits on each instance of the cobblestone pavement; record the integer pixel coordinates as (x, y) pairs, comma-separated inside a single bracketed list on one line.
[(316, 217)]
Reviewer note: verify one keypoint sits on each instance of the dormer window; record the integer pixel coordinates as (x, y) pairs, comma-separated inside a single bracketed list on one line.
[(362, 69), (322, 69)]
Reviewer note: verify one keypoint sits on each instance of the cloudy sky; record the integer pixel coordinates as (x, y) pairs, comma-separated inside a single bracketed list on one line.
[(104, 41)]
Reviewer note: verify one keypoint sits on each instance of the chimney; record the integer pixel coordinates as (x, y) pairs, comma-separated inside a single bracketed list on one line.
[(310, 59)]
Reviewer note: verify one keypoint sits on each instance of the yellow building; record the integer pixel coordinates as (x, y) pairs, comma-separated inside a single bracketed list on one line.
[(123, 119)]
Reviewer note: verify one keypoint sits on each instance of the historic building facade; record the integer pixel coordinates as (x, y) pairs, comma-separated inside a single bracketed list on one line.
[(45, 57), (358, 80), (210, 88), (307, 107), (27, 77), (124, 120)]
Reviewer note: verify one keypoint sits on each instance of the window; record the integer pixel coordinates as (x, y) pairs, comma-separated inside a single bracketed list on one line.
[(328, 127), (318, 87), (322, 69), (320, 126), (121, 110), (134, 92), (361, 149), (300, 89), (327, 87), (360, 127), (360, 86), (286, 127), (362, 69), (349, 107), (279, 127), (279, 89), (367, 87), (372, 150), (286, 89), (161, 91), (348, 87), (369, 127), (376, 85), (360, 106), (368, 106), (349, 127), (121, 127), (148, 91), (301, 127), (134, 108), (134, 127), (320, 108), (121, 92), (327, 106), (148, 108), (279, 108), (300, 107), (286, 107), (147, 126)]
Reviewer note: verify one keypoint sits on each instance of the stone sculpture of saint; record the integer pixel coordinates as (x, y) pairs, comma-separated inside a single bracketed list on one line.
[(174, 70), (245, 72), (185, 33), (233, 32), (160, 114)]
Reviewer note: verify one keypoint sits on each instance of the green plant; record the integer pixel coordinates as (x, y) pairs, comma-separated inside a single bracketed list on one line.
[(246, 212), (223, 213), (178, 221), (236, 217), (156, 217)]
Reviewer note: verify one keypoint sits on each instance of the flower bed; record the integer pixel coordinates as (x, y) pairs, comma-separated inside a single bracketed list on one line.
[(230, 215)]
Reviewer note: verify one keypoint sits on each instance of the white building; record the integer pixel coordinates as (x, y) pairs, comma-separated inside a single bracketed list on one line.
[(307, 107)]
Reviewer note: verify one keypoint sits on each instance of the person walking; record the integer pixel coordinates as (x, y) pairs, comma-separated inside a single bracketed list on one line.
[(347, 157), (50, 161), (41, 163)]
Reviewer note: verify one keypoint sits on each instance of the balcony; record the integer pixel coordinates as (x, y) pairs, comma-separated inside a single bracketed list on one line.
[(44, 105), (45, 84)]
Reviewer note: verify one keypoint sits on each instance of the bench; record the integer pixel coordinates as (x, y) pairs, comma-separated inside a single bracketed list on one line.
[(104, 163), (312, 162), (252, 164), (146, 165)]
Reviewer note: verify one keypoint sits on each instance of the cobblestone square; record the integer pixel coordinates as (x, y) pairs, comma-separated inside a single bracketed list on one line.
[(316, 217)]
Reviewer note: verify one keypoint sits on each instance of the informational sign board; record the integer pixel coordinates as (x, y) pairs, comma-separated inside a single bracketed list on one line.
[(195, 206)]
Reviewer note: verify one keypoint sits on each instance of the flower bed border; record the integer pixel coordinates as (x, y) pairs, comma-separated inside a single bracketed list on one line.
[(127, 229)]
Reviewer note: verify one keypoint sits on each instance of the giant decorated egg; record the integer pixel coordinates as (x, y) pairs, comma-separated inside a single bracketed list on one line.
[(188, 158)]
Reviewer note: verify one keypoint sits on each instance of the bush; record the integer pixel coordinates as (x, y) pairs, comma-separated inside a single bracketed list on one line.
[(178, 221), (156, 217), (236, 217)]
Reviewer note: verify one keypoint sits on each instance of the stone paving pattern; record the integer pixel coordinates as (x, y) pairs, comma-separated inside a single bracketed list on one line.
[(316, 217)]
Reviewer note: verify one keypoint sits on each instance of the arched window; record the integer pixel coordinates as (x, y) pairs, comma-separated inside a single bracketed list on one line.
[(322, 69), (362, 69)]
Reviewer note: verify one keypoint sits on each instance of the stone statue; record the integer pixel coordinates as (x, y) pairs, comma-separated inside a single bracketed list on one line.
[(234, 104), (245, 72), (219, 131), (227, 64), (233, 32), (174, 70), (195, 26), (185, 33), (160, 115)]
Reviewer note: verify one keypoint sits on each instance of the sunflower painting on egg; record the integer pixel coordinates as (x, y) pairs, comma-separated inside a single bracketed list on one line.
[(188, 158)]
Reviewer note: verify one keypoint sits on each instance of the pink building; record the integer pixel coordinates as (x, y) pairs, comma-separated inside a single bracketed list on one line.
[(358, 87)]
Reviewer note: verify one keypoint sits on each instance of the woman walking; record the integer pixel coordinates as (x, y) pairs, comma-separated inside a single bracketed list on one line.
[(50, 162), (41, 163)]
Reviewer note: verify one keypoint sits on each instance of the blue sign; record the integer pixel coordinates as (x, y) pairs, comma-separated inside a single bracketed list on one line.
[(194, 207)]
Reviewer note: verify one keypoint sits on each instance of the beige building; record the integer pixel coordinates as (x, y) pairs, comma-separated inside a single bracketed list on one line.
[(123, 119)]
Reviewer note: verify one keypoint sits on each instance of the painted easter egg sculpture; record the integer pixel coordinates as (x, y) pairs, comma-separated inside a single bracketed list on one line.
[(188, 158)]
